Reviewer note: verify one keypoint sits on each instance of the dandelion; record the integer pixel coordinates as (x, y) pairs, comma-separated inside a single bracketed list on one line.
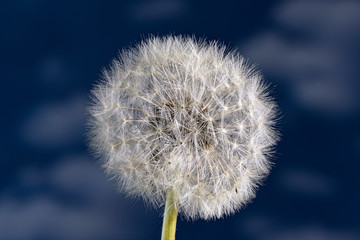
[(182, 120)]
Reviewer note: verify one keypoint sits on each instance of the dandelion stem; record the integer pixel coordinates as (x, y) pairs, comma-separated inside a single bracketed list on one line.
[(170, 216)]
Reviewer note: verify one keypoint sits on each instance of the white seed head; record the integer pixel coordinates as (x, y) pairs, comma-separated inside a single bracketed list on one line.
[(179, 114)]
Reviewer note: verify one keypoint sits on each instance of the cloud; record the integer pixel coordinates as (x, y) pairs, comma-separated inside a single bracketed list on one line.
[(42, 218), (312, 233), (157, 10), (55, 125), (270, 228), (311, 50), (83, 179), (307, 183), (323, 18), (97, 213)]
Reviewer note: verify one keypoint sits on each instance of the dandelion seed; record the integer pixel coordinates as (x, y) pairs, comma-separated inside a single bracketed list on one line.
[(199, 113)]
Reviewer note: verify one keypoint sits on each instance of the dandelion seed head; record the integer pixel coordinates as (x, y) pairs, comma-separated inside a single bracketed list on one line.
[(179, 114)]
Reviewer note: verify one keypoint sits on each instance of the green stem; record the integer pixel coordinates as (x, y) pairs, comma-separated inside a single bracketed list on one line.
[(170, 216)]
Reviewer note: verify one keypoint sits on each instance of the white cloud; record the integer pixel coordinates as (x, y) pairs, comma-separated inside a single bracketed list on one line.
[(313, 50), (82, 178), (270, 228), (311, 233), (307, 183), (44, 218), (55, 125), (328, 18), (99, 213), (157, 10)]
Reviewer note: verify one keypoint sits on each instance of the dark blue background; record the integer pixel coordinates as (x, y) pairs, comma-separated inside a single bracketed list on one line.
[(52, 53)]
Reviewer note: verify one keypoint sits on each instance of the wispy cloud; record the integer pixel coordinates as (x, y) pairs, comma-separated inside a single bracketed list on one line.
[(44, 209), (271, 228), (55, 124), (308, 183), (311, 48), (157, 10)]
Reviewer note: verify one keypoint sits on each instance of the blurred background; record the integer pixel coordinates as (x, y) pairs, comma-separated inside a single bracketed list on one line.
[(52, 53)]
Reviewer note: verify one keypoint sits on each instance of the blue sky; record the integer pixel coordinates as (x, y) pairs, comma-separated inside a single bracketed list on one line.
[(52, 53)]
